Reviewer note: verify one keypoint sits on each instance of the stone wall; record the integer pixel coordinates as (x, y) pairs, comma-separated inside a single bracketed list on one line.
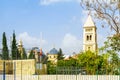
[(18, 66)]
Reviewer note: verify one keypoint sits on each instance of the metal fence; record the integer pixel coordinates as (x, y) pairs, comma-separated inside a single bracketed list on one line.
[(61, 77), (61, 73)]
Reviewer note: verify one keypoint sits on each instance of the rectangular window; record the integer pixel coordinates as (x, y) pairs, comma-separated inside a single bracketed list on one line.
[(88, 30)]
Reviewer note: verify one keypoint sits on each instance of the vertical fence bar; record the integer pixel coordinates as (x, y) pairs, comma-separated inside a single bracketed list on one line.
[(56, 74), (4, 70), (119, 72), (97, 73), (14, 71), (76, 73), (21, 69)]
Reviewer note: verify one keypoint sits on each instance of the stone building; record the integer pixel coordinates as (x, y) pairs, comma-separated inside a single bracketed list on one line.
[(53, 55), (89, 35)]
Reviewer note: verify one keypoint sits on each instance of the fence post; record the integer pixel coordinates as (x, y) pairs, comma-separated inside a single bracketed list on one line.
[(56, 74), (76, 73), (97, 74), (14, 71), (4, 70), (21, 69), (119, 73)]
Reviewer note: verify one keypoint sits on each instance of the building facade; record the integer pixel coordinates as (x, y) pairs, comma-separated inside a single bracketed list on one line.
[(53, 55), (89, 35)]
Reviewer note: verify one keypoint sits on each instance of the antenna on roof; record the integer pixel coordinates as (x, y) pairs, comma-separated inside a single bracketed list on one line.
[(40, 58), (41, 40)]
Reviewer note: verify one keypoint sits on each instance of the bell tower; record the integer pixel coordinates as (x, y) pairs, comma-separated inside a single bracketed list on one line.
[(20, 47), (89, 35)]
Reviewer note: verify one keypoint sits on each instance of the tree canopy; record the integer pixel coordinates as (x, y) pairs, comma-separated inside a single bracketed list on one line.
[(5, 51), (14, 50)]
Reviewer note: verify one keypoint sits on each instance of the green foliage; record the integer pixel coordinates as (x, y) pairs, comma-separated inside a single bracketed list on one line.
[(5, 52), (14, 50), (31, 55), (112, 48), (24, 56), (51, 68), (67, 63), (93, 63), (88, 61), (60, 54), (114, 42)]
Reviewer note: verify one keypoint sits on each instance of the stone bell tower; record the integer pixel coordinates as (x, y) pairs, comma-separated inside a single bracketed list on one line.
[(20, 48), (89, 35)]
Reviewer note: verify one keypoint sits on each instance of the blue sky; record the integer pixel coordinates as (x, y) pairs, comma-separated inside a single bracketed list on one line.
[(60, 22)]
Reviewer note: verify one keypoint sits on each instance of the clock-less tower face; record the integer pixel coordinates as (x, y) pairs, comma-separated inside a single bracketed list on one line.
[(89, 35)]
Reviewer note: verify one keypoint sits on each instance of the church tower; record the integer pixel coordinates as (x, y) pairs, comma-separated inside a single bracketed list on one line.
[(89, 35), (20, 47)]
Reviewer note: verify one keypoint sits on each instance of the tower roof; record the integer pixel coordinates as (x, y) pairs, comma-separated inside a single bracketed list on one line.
[(89, 22), (53, 51), (20, 42)]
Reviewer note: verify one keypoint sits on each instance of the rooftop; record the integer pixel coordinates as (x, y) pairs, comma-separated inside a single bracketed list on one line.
[(53, 51), (89, 22)]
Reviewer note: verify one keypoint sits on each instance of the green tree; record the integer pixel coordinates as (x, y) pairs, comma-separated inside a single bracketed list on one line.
[(68, 63), (113, 52), (5, 51), (51, 68), (91, 62), (114, 42), (60, 54), (31, 55), (14, 50), (70, 66), (24, 54), (87, 61)]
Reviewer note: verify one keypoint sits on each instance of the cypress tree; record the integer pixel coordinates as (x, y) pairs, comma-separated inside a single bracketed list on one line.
[(24, 56), (31, 55), (14, 50), (5, 52), (60, 54)]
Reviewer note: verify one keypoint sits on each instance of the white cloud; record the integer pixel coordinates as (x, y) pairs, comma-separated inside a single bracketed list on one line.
[(29, 41), (71, 44), (49, 2)]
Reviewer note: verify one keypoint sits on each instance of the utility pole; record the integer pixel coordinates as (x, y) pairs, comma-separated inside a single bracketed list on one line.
[(40, 55)]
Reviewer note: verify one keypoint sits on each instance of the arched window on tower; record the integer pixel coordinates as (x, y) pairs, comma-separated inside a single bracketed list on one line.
[(90, 37), (87, 38)]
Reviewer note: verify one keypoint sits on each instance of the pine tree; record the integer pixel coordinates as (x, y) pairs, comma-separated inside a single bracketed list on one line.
[(24, 56), (14, 50), (60, 54), (31, 55), (5, 52)]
